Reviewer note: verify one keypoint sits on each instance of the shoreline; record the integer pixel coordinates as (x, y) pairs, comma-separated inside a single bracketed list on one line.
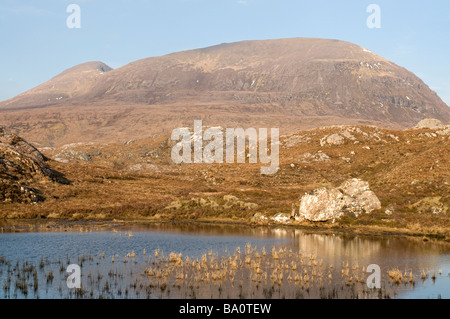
[(49, 225)]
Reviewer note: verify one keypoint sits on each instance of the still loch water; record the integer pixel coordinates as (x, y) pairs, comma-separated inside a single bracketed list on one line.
[(106, 254)]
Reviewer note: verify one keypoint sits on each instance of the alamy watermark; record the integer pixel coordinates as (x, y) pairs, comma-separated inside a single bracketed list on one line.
[(374, 279), (213, 152), (73, 21), (74, 279), (374, 20)]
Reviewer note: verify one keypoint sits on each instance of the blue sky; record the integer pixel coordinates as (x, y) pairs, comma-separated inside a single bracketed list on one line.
[(36, 43)]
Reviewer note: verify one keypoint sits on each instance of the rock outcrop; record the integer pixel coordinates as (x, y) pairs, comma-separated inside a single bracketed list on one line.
[(324, 204), (430, 124), (227, 202), (21, 165), (334, 139), (435, 125)]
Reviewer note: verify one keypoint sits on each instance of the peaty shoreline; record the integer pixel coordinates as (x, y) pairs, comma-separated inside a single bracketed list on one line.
[(80, 225)]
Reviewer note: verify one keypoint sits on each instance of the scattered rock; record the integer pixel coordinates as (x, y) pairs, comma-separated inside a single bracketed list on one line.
[(193, 203), (346, 159), (318, 157), (229, 201), (281, 218), (295, 140), (144, 167), (233, 201), (230, 198), (153, 167), (135, 168), (429, 135), (436, 210), (445, 131), (433, 205), (389, 210), (394, 137), (71, 155), (348, 135), (334, 139), (61, 160), (259, 218)]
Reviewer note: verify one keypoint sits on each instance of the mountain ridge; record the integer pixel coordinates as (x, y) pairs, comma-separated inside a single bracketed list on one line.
[(312, 82)]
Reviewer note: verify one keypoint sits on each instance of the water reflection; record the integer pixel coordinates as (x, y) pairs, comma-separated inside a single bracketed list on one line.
[(194, 240)]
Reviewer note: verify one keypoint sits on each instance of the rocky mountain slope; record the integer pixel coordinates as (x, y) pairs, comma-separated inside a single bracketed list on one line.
[(288, 83)]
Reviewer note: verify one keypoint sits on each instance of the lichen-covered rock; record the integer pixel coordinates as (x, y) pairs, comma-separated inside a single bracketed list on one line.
[(367, 202), (334, 139), (259, 218), (193, 203), (70, 155), (325, 204), (229, 201), (318, 157), (135, 167), (322, 205), (281, 218), (434, 205), (230, 198), (430, 124), (354, 186), (444, 131)]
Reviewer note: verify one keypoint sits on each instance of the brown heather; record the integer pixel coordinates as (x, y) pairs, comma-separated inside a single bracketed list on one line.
[(410, 176)]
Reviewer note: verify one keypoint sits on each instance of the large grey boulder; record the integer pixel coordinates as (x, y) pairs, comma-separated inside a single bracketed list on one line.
[(363, 199), (354, 187), (430, 124), (351, 197), (322, 205)]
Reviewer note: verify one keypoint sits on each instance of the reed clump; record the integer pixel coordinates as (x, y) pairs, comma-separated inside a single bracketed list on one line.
[(395, 276), (245, 273)]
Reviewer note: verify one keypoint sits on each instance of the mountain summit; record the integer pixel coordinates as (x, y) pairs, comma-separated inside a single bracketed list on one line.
[(292, 83)]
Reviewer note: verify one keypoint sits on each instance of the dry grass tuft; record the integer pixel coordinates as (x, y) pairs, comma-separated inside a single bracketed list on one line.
[(395, 276)]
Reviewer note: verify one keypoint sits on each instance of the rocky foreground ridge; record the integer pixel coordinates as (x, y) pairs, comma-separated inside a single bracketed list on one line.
[(22, 168)]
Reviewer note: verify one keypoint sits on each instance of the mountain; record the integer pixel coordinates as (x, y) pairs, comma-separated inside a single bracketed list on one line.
[(70, 84), (293, 84)]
